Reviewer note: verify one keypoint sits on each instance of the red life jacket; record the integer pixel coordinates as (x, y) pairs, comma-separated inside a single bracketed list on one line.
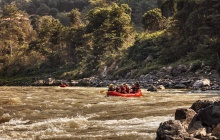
[(117, 89), (133, 89), (123, 90), (127, 89)]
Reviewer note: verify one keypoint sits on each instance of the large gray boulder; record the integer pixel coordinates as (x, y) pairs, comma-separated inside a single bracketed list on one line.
[(178, 70), (201, 121), (201, 83), (200, 104), (171, 130), (152, 88), (209, 116), (185, 116)]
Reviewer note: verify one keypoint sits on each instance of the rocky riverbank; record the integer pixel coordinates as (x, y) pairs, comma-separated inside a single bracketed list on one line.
[(199, 122), (180, 77)]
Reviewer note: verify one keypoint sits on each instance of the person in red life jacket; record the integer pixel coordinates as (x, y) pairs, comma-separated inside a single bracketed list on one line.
[(133, 89), (62, 84), (137, 86), (122, 89), (66, 84), (117, 88), (127, 88), (111, 88)]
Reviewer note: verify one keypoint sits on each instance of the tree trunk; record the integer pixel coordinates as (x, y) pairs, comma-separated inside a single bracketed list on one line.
[(11, 53)]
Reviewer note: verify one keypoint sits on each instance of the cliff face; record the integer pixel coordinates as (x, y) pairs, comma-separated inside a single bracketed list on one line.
[(200, 121)]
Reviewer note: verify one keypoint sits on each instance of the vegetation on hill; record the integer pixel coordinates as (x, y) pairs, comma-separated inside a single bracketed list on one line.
[(76, 39)]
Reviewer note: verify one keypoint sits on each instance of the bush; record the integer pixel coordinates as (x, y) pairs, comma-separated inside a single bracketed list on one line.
[(196, 65), (152, 20)]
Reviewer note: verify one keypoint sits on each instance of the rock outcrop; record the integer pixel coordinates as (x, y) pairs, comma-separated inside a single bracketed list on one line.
[(199, 122)]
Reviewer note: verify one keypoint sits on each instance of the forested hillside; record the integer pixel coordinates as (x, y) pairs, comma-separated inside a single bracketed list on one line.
[(82, 38), (59, 8)]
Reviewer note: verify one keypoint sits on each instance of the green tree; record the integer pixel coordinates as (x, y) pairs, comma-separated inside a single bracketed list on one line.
[(110, 26), (79, 45), (169, 8), (159, 3), (49, 41), (63, 18), (9, 11), (32, 8), (54, 12), (53, 3), (139, 7), (74, 17), (43, 9), (114, 20), (13, 30), (15, 33), (152, 20)]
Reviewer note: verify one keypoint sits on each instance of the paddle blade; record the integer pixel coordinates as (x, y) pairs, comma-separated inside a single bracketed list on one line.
[(102, 91)]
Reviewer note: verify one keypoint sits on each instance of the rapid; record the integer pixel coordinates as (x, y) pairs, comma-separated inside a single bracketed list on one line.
[(85, 113)]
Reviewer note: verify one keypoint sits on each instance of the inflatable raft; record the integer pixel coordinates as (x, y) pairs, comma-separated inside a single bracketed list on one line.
[(114, 93), (64, 85)]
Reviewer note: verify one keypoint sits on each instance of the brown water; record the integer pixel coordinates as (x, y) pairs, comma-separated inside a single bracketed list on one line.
[(81, 113)]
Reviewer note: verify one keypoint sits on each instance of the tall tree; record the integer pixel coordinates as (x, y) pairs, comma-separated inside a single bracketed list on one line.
[(43, 10), (15, 34), (152, 20), (14, 25), (49, 39), (110, 27), (74, 17)]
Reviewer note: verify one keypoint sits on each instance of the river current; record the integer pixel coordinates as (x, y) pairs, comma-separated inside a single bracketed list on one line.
[(85, 113)]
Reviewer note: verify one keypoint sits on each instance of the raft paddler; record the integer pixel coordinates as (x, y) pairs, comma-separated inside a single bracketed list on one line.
[(137, 86), (117, 88), (127, 88), (133, 89), (122, 89), (111, 87)]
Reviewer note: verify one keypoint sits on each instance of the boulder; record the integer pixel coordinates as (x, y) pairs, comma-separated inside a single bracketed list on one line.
[(185, 116), (201, 83), (209, 116), (189, 125), (216, 131), (168, 83), (39, 83), (200, 104), (179, 86), (178, 70), (49, 81), (197, 129), (152, 88), (161, 87), (171, 130)]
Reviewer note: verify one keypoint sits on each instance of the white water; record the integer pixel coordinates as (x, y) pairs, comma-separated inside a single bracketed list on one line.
[(80, 113)]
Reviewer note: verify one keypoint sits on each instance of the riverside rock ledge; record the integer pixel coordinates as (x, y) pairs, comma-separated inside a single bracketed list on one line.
[(199, 122)]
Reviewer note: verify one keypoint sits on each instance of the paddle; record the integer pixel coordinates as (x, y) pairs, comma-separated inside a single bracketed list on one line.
[(102, 91)]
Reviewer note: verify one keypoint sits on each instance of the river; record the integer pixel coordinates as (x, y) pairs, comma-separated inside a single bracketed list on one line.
[(85, 113)]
